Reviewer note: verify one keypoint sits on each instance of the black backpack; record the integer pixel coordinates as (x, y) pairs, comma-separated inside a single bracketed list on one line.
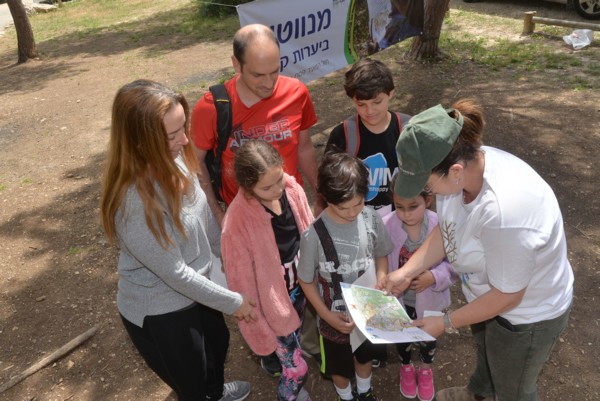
[(224, 116)]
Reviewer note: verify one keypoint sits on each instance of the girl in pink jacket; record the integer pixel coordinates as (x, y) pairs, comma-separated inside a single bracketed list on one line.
[(408, 227), (260, 244)]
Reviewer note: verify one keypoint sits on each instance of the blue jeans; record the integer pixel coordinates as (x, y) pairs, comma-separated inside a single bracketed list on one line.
[(510, 357)]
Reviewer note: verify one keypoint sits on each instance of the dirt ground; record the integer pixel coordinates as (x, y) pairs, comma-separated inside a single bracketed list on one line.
[(59, 274)]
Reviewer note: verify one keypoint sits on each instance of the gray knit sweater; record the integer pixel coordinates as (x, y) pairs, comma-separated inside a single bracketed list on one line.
[(154, 281)]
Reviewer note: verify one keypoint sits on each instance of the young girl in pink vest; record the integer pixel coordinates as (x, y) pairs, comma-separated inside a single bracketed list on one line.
[(260, 244)]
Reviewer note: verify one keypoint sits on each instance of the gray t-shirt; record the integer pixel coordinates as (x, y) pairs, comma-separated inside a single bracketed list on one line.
[(355, 254)]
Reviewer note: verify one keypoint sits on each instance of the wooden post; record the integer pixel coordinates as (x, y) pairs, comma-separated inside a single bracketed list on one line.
[(528, 24), (530, 21)]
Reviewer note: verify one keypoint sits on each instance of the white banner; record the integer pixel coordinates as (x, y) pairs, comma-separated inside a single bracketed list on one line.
[(311, 33)]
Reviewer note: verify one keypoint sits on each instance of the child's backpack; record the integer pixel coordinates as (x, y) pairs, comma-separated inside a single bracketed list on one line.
[(224, 117), (331, 255), (351, 125)]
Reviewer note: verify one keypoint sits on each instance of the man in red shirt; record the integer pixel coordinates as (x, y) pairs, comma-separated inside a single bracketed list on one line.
[(265, 106)]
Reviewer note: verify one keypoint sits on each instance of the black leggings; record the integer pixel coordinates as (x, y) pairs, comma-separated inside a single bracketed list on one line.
[(186, 349), (426, 349)]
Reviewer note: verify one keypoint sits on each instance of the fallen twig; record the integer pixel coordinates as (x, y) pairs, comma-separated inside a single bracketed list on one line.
[(581, 231), (59, 353)]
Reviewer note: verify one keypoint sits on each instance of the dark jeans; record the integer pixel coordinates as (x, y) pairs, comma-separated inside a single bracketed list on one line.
[(510, 357), (186, 349)]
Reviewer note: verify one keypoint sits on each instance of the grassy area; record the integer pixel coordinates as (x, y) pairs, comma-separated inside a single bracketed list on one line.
[(491, 41), (500, 46), (137, 18), (495, 42)]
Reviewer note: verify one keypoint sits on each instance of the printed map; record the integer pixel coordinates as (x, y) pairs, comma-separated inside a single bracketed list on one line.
[(381, 318)]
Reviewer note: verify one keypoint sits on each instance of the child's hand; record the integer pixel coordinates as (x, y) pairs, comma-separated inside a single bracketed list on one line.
[(381, 282), (397, 282), (340, 321), (246, 310), (422, 281)]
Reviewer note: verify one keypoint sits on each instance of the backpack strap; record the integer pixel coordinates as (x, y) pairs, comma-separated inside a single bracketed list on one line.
[(402, 119), (222, 104), (331, 255), (351, 127)]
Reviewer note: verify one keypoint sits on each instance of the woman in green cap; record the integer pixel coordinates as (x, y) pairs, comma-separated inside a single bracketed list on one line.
[(501, 227)]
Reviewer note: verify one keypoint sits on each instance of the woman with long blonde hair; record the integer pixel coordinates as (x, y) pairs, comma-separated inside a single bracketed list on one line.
[(153, 208)]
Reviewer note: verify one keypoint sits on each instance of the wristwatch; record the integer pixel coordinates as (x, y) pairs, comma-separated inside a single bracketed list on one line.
[(448, 327)]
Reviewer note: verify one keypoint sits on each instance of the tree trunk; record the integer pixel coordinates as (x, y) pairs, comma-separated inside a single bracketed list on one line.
[(25, 39), (426, 45)]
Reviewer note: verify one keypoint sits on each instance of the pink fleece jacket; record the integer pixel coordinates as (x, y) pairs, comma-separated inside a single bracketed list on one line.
[(436, 297), (253, 267)]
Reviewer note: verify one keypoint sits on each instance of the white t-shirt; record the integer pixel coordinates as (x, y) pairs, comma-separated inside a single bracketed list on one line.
[(510, 237)]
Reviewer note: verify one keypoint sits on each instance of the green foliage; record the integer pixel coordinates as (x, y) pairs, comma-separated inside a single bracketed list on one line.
[(581, 83), (26, 181), (74, 251), (217, 9), (594, 68), (3, 187)]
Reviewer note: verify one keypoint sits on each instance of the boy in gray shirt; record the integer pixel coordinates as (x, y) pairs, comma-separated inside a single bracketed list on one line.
[(360, 241)]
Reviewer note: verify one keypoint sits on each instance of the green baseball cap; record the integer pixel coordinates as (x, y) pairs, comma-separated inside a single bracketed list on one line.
[(424, 142)]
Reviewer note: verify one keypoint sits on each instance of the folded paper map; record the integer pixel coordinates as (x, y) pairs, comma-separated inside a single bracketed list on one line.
[(380, 317)]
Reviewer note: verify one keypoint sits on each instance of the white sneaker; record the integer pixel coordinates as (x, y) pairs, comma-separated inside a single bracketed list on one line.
[(235, 391)]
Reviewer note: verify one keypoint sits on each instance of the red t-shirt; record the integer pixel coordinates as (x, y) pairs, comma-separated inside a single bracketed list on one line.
[(277, 119)]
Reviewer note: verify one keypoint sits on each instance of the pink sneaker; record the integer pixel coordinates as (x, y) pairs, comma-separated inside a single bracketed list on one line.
[(425, 389), (408, 384)]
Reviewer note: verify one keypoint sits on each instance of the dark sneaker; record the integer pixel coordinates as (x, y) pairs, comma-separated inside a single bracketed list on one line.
[(235, 391), (368, 396), (376, 363), (271, 365)]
